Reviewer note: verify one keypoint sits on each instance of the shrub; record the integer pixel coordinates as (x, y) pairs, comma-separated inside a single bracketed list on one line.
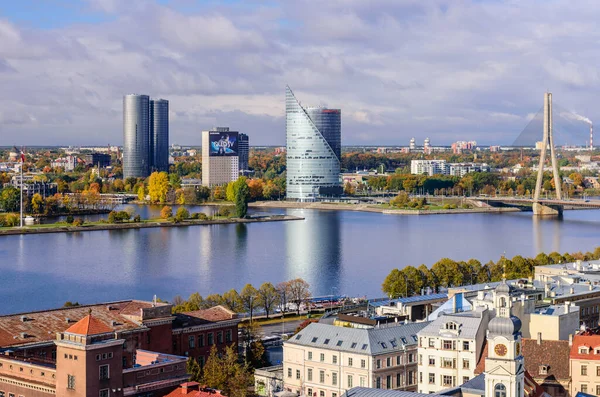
[(117, 217), (70, 218), (166, 212), (181, 214), (224, 211), (78, 222), (137, 218), (9, 220)]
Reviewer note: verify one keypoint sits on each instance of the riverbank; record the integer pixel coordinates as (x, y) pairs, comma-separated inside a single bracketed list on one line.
[(376, 208), (39, 229)]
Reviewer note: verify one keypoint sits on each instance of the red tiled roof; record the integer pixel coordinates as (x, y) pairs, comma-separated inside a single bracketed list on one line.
[(215, 313), (532, 388), (193, 389), (42, 326), (552, 353), (89, 325), (592, 342)]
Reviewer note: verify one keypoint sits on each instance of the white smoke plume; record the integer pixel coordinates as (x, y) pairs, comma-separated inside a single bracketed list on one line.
[(574, 116)]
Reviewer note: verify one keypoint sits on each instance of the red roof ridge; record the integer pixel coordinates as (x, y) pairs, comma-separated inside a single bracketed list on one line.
[(65, 308), (89, 325)]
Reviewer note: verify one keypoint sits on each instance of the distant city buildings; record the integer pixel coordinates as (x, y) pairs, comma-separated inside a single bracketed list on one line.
[(220, 156), (440, 167), (67, 163), (145, 135), (313, 150), (101, 160), (460, 146)]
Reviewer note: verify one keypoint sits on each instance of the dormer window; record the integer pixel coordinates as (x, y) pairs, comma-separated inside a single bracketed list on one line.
[(543, 369), (451, 326), (583, 350), (597, 350)]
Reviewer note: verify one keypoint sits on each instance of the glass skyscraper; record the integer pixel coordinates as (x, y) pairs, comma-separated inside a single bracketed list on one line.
[(145, 135), (313, 138)]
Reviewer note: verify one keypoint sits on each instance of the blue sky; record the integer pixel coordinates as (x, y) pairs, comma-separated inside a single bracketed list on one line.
[(443, 69)]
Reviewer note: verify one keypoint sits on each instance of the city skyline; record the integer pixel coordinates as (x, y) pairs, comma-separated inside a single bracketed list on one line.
[(385, 65)]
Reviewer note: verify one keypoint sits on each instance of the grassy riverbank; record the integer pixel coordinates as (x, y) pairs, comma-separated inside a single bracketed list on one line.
[(63, 227)]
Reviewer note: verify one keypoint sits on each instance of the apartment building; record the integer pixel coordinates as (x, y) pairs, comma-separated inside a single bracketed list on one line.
[(325, 360), (584, 361), (449, 349)]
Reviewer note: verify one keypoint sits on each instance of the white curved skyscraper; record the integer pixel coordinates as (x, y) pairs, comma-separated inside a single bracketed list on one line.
[(313, 138)]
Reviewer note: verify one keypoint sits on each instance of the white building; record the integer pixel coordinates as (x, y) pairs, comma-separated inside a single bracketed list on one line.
[(462, 169), (326, 360), (428, 167), (449, 349), (67, 163)]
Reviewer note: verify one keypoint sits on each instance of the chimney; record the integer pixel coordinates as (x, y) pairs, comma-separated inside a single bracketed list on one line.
[(571, 340), (572, 290), (567, 304), (539, 338)]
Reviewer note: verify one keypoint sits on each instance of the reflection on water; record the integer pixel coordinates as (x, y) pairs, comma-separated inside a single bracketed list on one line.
[(336, 252)]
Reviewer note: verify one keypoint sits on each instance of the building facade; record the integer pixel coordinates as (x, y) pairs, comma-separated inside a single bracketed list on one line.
[(325, 360), (585, 364), (101, 160), (220, 156), (159, 135), (244, 152), (313, 137), (449, 349), (440, 167)]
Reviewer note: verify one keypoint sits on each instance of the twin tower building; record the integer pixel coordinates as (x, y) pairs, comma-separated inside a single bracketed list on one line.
[(145, 135)]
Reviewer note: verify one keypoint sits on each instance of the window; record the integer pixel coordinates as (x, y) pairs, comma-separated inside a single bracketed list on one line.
[(431, 342), (362, 381), (192, 341), (322, 376), (393, 343), (420, 359), (350, 382), (432, 361), (353, 346), (447, 345), (349, 361), (383, 345), (543, 370), (309, 374), (451, 325), (397, 360), (363, 364), (597, 372), (411, 357), (201, 340), (465, 345), (398, 383), (597, 390), (388, 362), (289, 372), (364, 347), (411, 378), (333, 394), (310, 355), (209, 338), (378, 383), (104, 393), (314, 340), (500, 390), (321, 393), (583, 350), (465, 379), (309, 392), (432, 379), (104, 372), (298, 336), (378, 363), (447, 362), (220, 337), (297, 374), (584, 370), (339, 343), (322, 357), (420, 377), (228, 336), (584, 388), (71, 382), (466, 363), (97, 357), (334, 359), (447, 381), (334, 378), (388, 382)]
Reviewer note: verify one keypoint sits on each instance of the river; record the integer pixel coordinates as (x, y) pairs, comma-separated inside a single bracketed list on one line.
[(337, 252)]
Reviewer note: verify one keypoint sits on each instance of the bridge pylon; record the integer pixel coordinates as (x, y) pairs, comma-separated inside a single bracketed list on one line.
[(547, 141)]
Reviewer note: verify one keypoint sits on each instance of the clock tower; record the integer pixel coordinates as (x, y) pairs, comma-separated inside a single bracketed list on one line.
[(504, 367)]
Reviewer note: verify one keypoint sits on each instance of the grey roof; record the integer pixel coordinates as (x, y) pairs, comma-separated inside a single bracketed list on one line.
[(371, 341), (468, 324), (369, 392), (473, 386), (407, 301)]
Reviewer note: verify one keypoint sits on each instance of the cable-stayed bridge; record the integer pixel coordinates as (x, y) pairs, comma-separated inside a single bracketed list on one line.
[(558, 127)]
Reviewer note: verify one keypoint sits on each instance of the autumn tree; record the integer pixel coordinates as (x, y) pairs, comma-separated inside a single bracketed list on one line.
[(395, 284), (283, 290), (232, 300), (255, 187), (158, 187), (299, 291), (268, 298), (36, 203), (141, 193), (166, 212), (249, 297), (181, 214)]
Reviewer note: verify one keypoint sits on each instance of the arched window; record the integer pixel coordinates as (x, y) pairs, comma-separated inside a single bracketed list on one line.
[(500, 390), (502, 302)]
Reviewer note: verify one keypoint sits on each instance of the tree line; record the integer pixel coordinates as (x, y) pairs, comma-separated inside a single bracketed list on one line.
[(267, 297), (446, 272)]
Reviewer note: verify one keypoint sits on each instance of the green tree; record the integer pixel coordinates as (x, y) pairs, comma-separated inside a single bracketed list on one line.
[(212, 373), (395, 284), (10, 199), (181, 214), (242, 196), (268, 298), (194, 370), (249, 297), (158, 187), (175, 181), (232, 300)]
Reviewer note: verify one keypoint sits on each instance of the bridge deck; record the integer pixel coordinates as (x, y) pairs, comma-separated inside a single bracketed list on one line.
[(549, 202)]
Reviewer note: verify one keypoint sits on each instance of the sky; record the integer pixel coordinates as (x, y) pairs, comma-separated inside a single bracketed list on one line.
[(444, 69)]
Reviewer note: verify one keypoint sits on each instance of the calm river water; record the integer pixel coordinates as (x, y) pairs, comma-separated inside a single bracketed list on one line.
[(339, 252)]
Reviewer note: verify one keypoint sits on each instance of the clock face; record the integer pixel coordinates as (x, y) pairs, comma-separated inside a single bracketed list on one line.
[(500, 350)]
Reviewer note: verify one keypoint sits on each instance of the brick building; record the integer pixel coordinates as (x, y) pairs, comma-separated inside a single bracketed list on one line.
[(144, 345)]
